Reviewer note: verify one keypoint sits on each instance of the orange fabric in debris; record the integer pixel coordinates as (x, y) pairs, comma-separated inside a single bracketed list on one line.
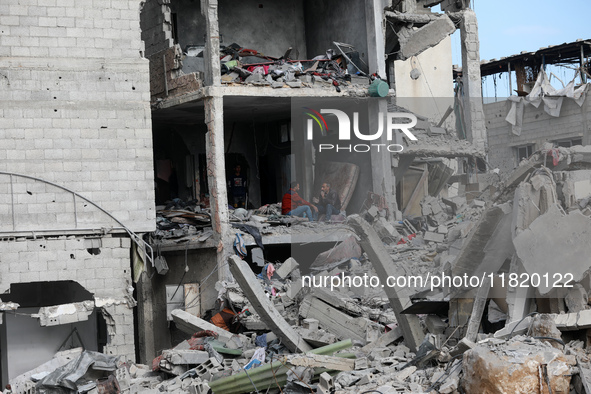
[(223, 319)]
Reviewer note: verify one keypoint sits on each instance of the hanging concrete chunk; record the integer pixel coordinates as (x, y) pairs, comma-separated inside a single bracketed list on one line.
[(265, 308), (65, 313), (426, 37)]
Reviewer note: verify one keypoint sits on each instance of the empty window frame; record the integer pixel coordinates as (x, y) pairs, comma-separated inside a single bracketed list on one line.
[(567, 143), (523, 152)]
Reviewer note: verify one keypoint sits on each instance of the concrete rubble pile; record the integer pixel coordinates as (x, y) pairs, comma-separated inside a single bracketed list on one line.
[(248, 66), (179, 218), (305, 326)]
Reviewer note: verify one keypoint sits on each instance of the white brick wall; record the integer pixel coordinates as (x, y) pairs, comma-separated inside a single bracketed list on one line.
[(75, 99), (65, 258), (156, 26), (538, 127)]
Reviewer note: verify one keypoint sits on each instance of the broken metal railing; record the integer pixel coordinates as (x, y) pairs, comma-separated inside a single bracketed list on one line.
[(134, 237)]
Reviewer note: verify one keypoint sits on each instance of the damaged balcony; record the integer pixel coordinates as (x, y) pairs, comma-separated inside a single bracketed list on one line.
[(301, 56)]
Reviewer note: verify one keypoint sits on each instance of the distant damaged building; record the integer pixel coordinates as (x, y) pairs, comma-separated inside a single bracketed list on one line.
[(537, 115)]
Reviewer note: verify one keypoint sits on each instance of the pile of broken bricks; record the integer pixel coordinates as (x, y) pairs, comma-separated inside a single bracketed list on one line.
[(300, 338), (247, 66)]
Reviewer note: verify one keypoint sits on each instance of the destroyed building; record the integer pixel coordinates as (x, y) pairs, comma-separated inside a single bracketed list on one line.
[(215, 108), (121, 126), (520, 126)]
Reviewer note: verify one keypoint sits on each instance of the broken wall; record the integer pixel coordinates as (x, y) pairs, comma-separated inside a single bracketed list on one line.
[(576, 187), (538, 128), (154, 330), (106, 275), (341, 21), (30, 344), (190, 23), (421, 81), (74, 111), (156, 25), (267, 27)]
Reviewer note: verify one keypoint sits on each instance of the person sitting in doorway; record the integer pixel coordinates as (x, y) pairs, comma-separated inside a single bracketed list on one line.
[(329, 202), (294, 205)]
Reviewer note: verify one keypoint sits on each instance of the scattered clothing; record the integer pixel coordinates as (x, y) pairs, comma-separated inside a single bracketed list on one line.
[(252, 230)]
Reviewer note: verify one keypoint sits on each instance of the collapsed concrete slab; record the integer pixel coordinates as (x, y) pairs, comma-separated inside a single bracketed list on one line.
[(478, 310), (385, 267), (488, 245), (191, 324), (337, 300), (573, 321), (265, 308), (317, 360), (425, 37), (335, 321), (384, 340), (348, 249), (185, 357), (514, 328), (557, 267)]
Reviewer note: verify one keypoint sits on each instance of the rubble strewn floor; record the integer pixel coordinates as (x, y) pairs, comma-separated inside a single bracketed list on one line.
[(320, 328)]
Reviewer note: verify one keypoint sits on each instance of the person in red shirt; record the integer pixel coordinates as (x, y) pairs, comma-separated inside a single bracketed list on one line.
[(294, 205)]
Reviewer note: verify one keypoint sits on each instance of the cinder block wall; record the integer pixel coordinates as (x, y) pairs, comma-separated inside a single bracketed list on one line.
[(156, 24), (538, 127), (105, 275), (74, 110)]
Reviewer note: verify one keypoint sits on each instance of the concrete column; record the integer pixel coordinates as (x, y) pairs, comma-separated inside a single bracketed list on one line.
[(472, 81), (381, 162), (145, 320), (209, 9), (216, 176), (374, 19), (307, 167), (214, 139)]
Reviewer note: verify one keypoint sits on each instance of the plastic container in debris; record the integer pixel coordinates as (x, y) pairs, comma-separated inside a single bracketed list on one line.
[(378, 88)]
